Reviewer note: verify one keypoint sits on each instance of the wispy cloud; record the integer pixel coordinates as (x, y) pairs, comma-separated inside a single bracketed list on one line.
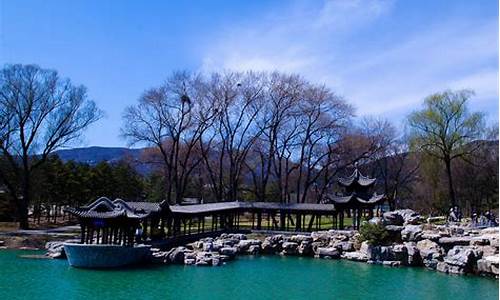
[(334, 43)]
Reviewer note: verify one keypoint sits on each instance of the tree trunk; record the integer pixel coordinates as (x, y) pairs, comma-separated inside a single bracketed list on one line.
[(22, 204), (450, 182)]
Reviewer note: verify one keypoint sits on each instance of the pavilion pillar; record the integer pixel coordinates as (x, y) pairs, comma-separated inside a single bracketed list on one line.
[(259, 220), (104, 239), (287, 221), (162, 226), (238, 214), (222, 221), (202, 220), (282, 219), (298, 222), (359, 217), (341, 221), (82, 233)]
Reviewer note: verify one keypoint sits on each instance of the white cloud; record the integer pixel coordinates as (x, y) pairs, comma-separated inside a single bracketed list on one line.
[(379, 75)]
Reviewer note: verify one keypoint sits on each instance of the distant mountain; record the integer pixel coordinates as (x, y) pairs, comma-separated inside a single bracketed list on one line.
[(95, 155)]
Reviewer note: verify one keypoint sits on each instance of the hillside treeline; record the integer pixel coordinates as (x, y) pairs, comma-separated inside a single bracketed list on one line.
[(243, 136)]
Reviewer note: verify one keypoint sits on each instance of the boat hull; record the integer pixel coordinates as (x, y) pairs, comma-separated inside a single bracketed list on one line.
[(105, 256)]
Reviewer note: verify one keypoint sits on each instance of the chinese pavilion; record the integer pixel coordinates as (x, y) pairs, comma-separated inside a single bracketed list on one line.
[(356, 198)]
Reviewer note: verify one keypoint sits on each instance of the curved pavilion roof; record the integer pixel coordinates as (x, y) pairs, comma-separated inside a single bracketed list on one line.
[(104, 208), (356, 177), (354, 199)]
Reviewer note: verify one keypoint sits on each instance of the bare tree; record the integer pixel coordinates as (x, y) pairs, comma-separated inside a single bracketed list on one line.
[(394, 165), (324, 117), (238, 98), (173, 118), (40, 112), (280, 107)]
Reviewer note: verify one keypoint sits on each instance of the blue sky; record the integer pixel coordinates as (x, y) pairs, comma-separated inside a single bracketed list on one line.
[(384, 57)]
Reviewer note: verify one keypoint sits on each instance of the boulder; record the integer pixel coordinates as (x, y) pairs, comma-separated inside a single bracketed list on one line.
[(410, 216), (487, 250), (344, 246), (330, 252), (244, 245), (402, 217), (451, 230), (393, 218), (491, 230), (431, 235), (206, 259), (300, 238), (394, 232), (355, 256), (400, 253), (449, 269), (229, 242), (411, 233), (321, 236), (459, 260), (479, 241), (176, 255), (203, 262), (236, 236), (381, 253), (391, 263), (488, 265), (198, 245), (394, 228), (228, 251), (348, 233), (190, 255), (450, 242), (225, 258), (414, 258), (216, 261), (430, 252), (55, 249), (207, 246), (289, 248), (254, 249), (492, 235), (366, 249), (159, 257), (275, 239), (268, 247), (305, 248)]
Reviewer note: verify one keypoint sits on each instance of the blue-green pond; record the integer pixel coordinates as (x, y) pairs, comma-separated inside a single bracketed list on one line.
[(261, 277)]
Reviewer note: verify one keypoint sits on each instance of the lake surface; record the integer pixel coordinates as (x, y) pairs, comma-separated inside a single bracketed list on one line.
[(262, 277)]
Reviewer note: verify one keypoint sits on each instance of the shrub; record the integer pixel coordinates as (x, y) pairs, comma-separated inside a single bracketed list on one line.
[(374, 234)]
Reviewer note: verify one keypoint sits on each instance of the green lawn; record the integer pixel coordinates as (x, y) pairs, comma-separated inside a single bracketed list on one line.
[(246, 223)]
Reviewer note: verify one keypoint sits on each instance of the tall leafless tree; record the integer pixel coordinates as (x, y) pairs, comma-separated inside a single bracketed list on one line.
[(40, 112), (173, 119)]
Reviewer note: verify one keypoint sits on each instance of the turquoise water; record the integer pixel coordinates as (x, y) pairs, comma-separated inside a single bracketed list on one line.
[(264, 277)]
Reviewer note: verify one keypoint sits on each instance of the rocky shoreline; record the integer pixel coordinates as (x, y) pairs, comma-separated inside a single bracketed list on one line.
[(452, 249), (411, 242)]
